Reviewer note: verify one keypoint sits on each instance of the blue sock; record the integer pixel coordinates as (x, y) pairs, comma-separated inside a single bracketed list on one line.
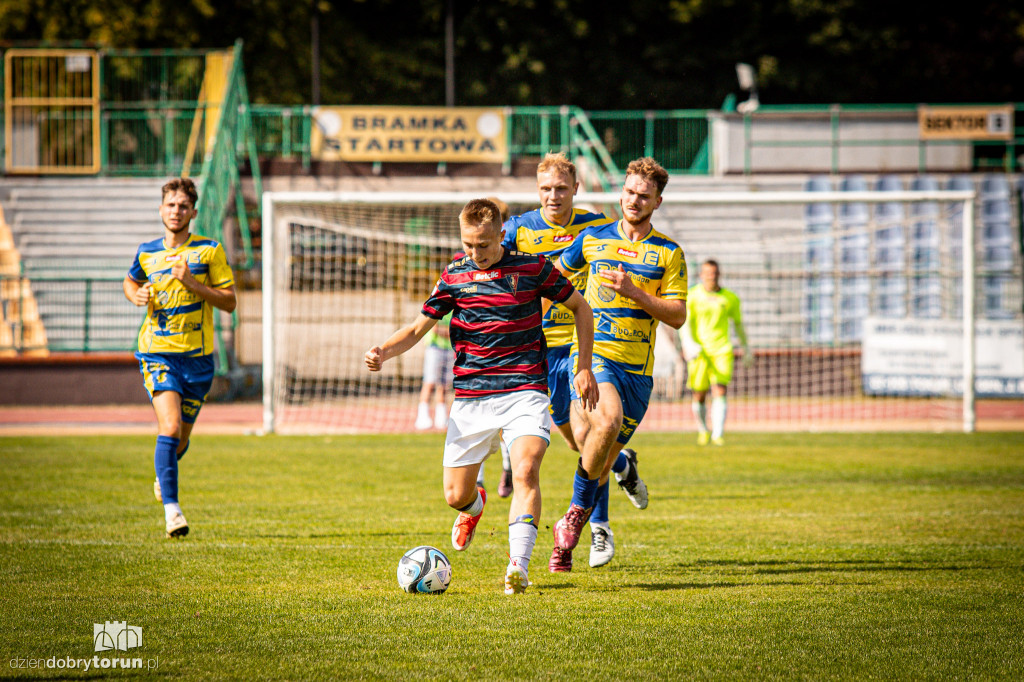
[(166, 464), (600, 513), (620, 463), (583, 491), (182, 453)]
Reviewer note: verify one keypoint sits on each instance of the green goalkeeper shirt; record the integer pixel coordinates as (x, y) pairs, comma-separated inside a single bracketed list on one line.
[(708, 313)]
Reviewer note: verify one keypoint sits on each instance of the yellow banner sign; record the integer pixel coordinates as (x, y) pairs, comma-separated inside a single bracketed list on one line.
[(965, 123), (430, 134)]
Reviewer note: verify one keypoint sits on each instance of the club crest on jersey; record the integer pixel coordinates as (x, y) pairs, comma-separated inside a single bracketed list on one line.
[(513, 282), (626, 252), (651, 258), (485, 276)]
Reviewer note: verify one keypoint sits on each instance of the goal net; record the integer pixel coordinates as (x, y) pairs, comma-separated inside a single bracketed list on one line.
[(855, 303)]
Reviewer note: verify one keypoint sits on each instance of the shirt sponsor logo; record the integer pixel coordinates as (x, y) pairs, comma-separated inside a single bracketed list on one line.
[(173, 257), (626, 252), (486, 276), (563, 238)]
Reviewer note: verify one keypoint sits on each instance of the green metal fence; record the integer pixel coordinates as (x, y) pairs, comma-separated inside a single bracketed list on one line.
[(149, 102)]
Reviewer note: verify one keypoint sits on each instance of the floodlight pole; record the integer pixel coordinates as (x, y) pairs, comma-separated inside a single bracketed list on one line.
[(449, 54), (314, 30)]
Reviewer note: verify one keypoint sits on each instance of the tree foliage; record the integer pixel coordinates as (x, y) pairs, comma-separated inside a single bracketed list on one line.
[(645, 54)]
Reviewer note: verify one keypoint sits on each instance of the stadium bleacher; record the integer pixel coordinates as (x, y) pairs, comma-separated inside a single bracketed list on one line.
[(76, 239)]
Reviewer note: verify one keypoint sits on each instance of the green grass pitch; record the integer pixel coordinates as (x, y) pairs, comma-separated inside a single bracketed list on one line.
[(781, 556)]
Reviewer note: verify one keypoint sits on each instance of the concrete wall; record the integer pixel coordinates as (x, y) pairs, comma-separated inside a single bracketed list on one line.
[(803, 143)]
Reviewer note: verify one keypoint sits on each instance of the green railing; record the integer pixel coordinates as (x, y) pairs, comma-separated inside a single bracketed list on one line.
[(282, 132), (220, 179), (149, 100), (79, 312), (678, 139)]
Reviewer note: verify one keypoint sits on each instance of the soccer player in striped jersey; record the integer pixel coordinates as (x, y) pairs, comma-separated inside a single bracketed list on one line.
[(549, 230), (500, 381), (636, 278), (706, 343), (180, 278)]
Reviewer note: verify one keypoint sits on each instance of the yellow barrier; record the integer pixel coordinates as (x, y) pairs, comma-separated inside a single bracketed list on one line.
[(51, 111)]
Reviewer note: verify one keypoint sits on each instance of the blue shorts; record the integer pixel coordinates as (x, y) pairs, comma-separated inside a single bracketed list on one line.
[(634, 390), (559, 383), (189, 377)]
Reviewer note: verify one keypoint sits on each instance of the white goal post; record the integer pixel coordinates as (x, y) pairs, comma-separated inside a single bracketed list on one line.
[(820, 274)]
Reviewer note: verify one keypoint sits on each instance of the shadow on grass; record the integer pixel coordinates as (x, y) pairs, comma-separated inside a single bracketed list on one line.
[(661, 587), (322, 536), (782, 567)]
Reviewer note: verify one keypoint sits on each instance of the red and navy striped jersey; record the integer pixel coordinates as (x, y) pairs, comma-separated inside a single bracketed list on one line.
[(496, 321)]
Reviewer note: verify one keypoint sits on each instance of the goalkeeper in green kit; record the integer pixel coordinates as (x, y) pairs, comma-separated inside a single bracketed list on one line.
[(709, 351)]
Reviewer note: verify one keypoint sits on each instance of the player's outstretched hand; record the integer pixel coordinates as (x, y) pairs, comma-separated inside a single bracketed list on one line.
[(374, 358), (586, 388), (142, 295), (748, 358)]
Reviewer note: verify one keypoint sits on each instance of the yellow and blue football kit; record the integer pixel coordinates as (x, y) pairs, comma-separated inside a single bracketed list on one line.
[(624, 333), (175, 344), (532, 232), (708, 314)]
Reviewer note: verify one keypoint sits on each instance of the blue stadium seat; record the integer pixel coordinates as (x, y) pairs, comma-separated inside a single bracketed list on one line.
[(819, 284), (854, 255), (924, 183), (819, 213), (995, 186)]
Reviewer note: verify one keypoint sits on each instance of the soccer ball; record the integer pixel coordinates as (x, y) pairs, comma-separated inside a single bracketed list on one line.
[(424, 569)]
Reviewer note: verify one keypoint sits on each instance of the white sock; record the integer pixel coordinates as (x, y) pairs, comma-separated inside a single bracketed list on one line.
[(521, 539), (480, 475), (700, 411), (476, 507), (440, 416), (718, 410), (506, 460), (423, 412), (170, 509)]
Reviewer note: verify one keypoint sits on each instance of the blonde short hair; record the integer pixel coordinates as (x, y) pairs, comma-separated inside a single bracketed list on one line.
[(557, 162), (650, 170)]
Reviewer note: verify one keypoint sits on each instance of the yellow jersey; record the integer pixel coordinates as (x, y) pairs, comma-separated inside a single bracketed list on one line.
[(177, 320), (623, 331), (709, 313), (532, 232)]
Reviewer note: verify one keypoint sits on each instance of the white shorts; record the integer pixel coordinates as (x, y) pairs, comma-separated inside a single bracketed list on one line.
[(437, 365), (475, 426)]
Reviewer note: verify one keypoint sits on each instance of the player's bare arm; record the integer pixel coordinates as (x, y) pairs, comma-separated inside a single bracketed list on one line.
[(401, 341), (672, 313), (136, 292), (584, 382), (219, 298)]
